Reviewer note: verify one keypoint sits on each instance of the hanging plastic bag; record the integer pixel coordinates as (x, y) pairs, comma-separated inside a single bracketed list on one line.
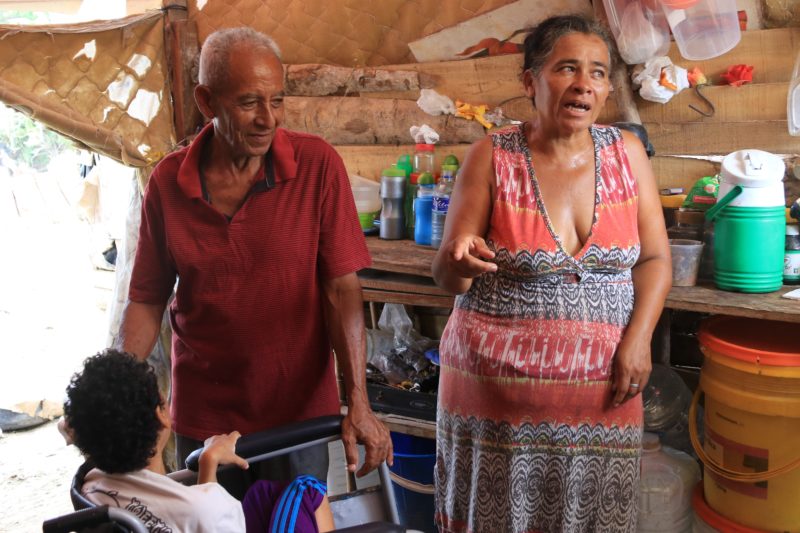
[(639, 39), (660, 80), (396, 348)]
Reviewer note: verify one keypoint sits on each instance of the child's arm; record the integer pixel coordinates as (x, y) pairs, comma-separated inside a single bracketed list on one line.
[(219, 450)]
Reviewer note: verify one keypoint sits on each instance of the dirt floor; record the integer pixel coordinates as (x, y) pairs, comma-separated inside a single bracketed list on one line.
[(52, 316)]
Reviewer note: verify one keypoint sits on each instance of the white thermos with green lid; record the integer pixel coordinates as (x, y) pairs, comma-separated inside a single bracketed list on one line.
[(750, 223)]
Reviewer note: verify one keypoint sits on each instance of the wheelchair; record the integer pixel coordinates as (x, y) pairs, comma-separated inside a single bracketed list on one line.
[(368, 510)]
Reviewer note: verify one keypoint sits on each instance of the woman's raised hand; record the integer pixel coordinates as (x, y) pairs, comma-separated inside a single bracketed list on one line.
[(469, 256)]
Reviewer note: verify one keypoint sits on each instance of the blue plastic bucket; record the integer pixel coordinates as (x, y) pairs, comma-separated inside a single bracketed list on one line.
[(414, 459)]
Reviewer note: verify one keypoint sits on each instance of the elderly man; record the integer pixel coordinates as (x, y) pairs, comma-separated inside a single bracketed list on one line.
[(259, 226)]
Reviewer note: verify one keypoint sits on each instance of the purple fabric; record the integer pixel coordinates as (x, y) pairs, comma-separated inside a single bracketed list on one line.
[(261, 498)]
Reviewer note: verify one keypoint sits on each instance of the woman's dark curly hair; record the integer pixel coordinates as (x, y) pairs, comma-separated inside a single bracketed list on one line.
[(542, 39), (111, 409)]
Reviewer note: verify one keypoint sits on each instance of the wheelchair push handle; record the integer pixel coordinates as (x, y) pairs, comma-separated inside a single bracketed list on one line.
[(271, 440), (93, 517)]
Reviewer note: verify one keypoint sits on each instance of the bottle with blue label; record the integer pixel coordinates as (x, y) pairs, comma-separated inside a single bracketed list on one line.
[(441, 203)]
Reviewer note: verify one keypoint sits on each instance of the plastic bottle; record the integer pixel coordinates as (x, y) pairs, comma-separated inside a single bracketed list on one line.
[(423, 211), (441, 203), (793, 101), (411, 196), (791, 262), (665, 497), (423, 158)]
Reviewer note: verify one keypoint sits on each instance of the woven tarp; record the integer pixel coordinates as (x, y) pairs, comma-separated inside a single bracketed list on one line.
[(103, 84), (339, 32)]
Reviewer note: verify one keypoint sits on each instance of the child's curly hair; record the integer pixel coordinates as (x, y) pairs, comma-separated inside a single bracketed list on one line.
[(111, 410)]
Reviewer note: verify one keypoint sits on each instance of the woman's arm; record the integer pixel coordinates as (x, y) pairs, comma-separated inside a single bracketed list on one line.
[(461, 256), (652, 279)]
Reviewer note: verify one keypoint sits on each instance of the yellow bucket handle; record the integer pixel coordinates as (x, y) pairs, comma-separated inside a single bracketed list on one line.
[(708, 462)]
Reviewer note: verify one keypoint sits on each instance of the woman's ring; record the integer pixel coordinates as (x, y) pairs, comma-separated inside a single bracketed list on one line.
[(634, 385)]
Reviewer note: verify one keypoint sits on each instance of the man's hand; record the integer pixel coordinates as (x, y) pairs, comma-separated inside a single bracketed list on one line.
[(360, 426)]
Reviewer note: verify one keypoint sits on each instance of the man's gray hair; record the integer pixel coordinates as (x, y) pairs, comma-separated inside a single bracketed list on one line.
[(217, 47)]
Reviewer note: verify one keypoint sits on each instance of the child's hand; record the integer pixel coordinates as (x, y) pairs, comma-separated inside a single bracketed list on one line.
[(221, 450)]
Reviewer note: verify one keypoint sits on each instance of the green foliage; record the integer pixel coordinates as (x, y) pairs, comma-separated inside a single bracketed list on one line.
[(16, 17), (28, 141)]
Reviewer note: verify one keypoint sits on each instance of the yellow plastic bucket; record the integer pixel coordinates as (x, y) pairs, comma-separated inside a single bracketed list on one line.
[(751, 453)]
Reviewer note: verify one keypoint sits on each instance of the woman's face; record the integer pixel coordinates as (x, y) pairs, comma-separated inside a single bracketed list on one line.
[(573, 84)]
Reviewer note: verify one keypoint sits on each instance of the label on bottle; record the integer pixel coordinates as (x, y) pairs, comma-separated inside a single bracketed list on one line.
[(791, 265), (441, 203)]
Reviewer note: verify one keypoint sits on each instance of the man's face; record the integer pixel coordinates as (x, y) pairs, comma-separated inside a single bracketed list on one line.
[(249, 107)]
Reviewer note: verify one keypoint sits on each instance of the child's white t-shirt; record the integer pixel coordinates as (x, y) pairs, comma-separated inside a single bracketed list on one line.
[(164, 505)]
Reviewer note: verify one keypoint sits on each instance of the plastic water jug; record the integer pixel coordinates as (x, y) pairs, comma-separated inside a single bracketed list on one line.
[(703, 29), (665, 498), (366, 194), (750, 223), (640, 29)]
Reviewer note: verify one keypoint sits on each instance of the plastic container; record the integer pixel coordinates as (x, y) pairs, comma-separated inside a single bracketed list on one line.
[(750, 223), (707, 521), (423, 205), (366, 194), (703, 29), (791, 260), (751, 381), (441, 204), (665, 497), (793, 100), (686, 255), (414, 460), (393, 184), (640, 29), (424, 159)]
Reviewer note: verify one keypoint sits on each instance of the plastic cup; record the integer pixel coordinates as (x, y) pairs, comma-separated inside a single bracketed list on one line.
[(703, 28), (686, 255)]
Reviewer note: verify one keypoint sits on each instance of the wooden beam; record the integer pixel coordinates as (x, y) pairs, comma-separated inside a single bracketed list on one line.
[(182, 49), (325, 80), (748, 103), (721, 138), (342, 120), (681, 171)]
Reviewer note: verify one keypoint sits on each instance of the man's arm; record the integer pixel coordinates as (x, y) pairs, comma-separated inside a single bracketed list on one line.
[(344, 316), (141, 324)]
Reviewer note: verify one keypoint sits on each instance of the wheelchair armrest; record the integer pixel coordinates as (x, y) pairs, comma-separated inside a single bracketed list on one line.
[(278, 438), (93, 517)]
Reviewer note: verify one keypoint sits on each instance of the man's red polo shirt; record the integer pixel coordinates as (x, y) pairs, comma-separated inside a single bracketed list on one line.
[(250, 349)]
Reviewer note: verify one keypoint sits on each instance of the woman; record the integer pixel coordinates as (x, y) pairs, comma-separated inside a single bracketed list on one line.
[(556, 243)]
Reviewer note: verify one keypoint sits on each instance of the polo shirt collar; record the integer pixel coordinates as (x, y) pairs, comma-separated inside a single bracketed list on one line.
[(282, 151)]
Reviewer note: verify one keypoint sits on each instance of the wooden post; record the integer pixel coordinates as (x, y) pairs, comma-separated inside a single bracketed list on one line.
[(182, 49)]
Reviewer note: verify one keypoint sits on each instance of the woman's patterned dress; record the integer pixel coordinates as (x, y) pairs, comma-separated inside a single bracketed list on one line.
[(527, 437)]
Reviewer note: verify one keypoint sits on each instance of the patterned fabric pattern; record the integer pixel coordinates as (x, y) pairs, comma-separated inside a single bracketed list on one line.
[(527, 437)]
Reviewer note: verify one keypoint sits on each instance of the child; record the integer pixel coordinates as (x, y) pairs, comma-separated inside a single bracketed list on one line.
[(117, 418)]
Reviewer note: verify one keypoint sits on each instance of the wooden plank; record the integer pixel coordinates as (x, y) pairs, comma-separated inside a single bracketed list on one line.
[(342, 120), (707, 299), (681, 171), (407, 298), (325, 80), (404, 424), (402, 256), (752, 102), (375, 279), (721, 138), (369, 161), (771, 53)]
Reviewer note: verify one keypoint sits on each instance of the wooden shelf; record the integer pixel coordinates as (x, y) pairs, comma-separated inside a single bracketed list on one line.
[(401, 273)]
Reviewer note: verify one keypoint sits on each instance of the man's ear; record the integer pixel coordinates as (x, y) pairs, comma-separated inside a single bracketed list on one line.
[(528, 82), (203, 98)]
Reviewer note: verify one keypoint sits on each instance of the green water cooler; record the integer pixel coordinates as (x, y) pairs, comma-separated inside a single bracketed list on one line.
[(750, 223)]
